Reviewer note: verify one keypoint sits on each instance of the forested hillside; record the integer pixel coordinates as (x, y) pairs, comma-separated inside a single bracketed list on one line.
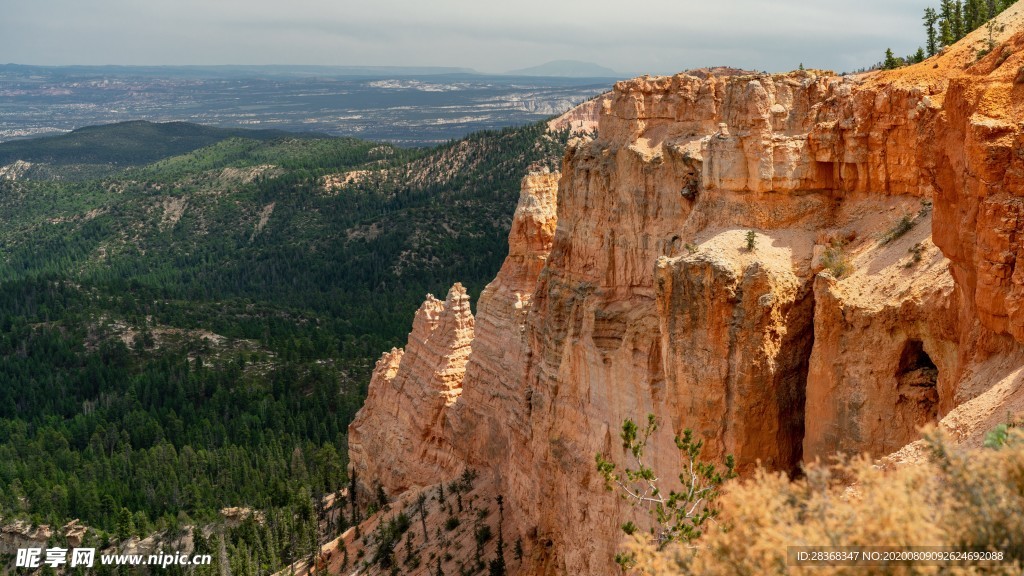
[(96, 151), (198, 332)]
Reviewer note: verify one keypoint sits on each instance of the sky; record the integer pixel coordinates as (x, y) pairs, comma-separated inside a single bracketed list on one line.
[(629, 36)]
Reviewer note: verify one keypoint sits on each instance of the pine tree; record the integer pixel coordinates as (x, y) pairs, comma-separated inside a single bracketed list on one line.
[(421, 500), (125, 525), (497, 566), (891, 63), (270, 537), (930, 18), (990, 9), (946, 27), (314, 543), (352, 496), (945, 33), (341, 523), (991, 26), (973, 17), (958, 20), (678, 516)]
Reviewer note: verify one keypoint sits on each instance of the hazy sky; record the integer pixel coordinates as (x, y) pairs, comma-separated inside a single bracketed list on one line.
[(646, 36)]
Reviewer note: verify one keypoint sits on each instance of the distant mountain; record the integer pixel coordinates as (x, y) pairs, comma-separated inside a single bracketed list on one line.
[(126, 144), (568, 69)]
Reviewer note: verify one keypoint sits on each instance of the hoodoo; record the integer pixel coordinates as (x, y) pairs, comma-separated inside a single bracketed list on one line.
[(880, 290)]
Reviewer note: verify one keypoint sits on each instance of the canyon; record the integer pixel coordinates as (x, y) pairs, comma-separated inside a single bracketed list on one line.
[(791, 265)]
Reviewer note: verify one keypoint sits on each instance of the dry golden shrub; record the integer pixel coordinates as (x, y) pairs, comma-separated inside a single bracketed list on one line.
[(959, 498)]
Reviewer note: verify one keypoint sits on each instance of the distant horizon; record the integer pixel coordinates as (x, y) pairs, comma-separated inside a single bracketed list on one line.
[(355, 67), (664, 38), (406, 106)]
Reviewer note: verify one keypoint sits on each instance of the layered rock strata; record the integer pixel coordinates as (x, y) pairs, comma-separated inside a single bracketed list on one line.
[(404, 444), (790, 265)]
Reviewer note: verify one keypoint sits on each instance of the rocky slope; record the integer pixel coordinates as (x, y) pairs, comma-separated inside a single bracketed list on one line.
[(881, 292)]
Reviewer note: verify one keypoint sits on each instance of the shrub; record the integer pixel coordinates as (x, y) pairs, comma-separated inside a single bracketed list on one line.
[(751, 240), (905, 224), (388, 535), (451, 523), (678, 516), (483, 534), (926, 208), (1001, 434), (834, 260), (467, 479), (961, 498), (916, 251)]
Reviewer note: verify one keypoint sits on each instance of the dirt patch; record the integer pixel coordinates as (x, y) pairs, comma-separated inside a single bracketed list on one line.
[(365, 232), (250, 174), (264, 218), (173, 209), (332, 183)]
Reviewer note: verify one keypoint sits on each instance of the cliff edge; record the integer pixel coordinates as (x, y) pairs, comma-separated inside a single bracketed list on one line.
[(792, 265)]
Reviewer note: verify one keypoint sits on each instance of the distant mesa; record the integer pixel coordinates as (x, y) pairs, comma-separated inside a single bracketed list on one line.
[(568, 69)]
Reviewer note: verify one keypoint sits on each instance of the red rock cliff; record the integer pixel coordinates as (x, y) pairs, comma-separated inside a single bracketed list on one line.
[(882, 291)]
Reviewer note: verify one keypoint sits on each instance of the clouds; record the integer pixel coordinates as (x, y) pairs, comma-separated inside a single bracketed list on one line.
[(653, 36)]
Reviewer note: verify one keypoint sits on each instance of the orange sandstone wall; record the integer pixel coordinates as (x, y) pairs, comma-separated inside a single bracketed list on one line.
[(629, 289)]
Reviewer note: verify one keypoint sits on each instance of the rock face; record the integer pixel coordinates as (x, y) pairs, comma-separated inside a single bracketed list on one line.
[(402, 442), (885, 357), (790, 265), (22, 534), (580, 119), (15, 170)]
